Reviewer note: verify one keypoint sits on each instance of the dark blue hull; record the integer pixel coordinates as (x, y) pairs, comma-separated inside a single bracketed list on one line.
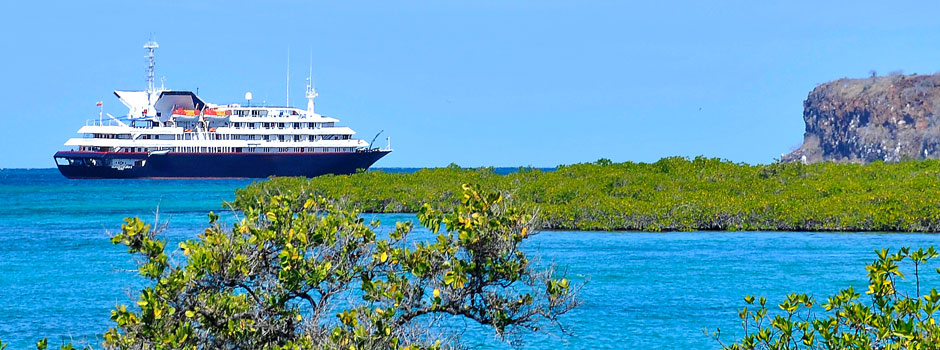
[(100, 165)]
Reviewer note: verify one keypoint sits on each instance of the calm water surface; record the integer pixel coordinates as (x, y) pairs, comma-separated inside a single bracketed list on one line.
[(60, 276)]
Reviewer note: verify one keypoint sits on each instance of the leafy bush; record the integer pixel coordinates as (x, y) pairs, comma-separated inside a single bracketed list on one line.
[(300, 272), (887, 318)]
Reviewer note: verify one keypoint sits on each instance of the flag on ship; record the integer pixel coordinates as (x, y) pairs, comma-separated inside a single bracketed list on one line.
[(98, 104)]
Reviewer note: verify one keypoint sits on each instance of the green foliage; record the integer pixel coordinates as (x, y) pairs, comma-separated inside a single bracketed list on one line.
[(888, 318), (43, 344), (671, 194), (300, 272)]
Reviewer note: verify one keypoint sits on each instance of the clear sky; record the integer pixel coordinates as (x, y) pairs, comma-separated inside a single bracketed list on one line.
[(477, 83)]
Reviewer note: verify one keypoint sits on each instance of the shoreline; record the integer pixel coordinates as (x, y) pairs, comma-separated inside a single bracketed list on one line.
[(672, 194), (709, 230)]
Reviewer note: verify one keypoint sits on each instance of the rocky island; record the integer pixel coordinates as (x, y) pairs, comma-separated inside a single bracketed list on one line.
[(888, 118)]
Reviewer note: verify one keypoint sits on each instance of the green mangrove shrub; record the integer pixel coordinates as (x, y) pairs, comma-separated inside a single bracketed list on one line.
[(672, 194), (299, 271), (886, 318)]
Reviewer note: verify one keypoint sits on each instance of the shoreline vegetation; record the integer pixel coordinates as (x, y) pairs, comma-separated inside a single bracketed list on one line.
[(672, 194)]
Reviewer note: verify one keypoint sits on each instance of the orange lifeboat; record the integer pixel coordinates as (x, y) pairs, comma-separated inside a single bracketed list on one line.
[(186, 112), (216, 112)]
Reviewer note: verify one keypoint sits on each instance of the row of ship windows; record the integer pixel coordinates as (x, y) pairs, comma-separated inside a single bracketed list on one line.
[(245, 125), (238, 125), (281, 138), (214, 136), (263, 113), (222, 149)]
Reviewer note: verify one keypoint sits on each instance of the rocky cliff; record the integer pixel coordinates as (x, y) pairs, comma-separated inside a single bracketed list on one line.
[(886, 118)]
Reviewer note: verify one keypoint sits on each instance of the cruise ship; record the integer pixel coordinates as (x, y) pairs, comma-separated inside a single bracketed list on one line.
[(175, 134)]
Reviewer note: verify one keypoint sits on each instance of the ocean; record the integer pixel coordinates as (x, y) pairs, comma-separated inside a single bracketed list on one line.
[(60, 276)]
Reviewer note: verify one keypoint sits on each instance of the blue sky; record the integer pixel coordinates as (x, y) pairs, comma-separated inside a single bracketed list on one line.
[(477, 83)]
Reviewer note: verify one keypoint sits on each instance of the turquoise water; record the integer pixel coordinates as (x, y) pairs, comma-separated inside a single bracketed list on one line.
[(60, 277)]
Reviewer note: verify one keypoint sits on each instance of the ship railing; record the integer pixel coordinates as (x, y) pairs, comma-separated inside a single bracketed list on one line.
[(103, 122)]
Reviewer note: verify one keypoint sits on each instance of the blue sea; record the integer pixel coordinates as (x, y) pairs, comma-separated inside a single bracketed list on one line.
[(60, 276)]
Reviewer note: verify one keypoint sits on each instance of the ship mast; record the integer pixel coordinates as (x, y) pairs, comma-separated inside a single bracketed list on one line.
[(311, 92), (288, 77), (150, 46), (151, 90)]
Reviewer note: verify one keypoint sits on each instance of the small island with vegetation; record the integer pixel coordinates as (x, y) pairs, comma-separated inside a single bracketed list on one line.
[(672, 194)]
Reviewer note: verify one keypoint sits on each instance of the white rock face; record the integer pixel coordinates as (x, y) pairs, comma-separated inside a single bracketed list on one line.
[(888, 118)]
